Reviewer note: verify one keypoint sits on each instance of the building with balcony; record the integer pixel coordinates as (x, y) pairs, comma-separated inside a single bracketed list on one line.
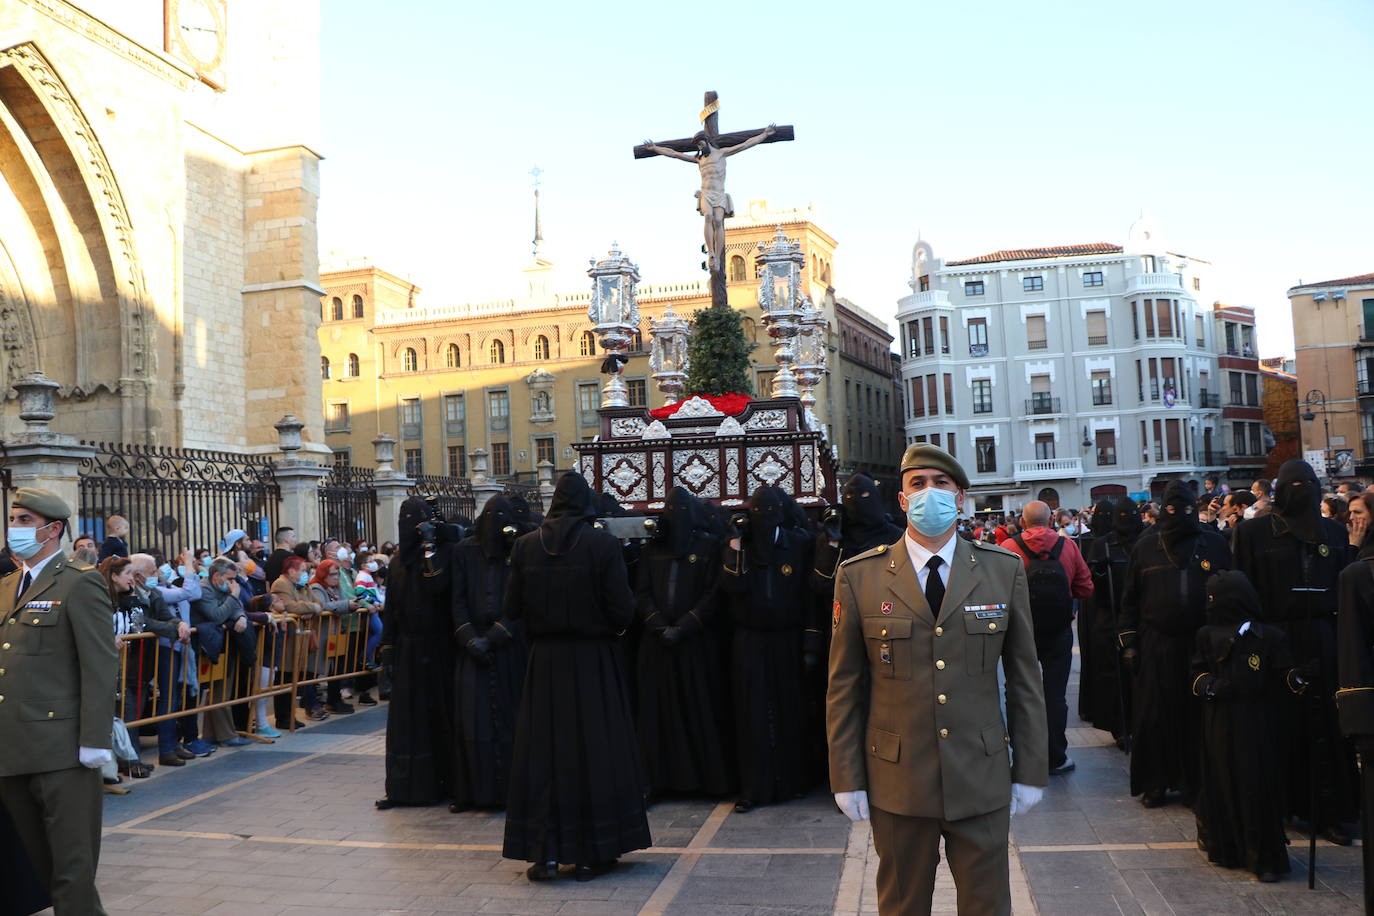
[(1244, 436), (871, 439), (1067, 373), (1333, 334)]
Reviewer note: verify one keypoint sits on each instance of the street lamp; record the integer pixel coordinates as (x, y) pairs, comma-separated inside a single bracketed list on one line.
[(1317, 398)]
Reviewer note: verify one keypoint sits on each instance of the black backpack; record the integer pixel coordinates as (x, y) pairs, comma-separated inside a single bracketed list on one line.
[(1051, 603)]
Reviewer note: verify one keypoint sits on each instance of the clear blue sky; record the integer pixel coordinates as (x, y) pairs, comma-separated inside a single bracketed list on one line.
[(1244, 127)]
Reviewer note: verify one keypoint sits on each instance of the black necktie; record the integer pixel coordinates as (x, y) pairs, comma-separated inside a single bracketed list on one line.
[(24, 584), (935, 589)]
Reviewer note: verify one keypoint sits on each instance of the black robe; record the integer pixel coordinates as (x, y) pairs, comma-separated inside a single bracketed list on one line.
[(21, 890), (1277, 562), (682, 691), (1163, 605), (771, 608), (1240, 803), (1104, 698), (487, 690), (417, 626), (576, 784)]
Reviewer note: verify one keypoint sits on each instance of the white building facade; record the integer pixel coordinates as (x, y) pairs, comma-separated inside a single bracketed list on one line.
[(1064, 374)]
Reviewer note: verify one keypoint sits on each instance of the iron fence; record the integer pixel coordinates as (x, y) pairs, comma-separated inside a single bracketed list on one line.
[(529, 492), (176, 498), (348, 504), (453, 495)]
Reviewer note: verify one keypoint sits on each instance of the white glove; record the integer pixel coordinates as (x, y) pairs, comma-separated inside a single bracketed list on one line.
[(93, 758), (853, 804), (1024, 798)]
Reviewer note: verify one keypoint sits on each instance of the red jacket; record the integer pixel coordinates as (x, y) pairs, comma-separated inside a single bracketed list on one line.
[(1041, 540)]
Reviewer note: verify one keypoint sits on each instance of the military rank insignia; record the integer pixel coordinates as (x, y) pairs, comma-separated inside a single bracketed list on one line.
[(1254, 661), (886, 607), (836, 614)]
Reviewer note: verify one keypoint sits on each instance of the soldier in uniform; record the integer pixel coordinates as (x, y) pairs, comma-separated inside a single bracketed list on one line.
[(58, 669), (913, 714)]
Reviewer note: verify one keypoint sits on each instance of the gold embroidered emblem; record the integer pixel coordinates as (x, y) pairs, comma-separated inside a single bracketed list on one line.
[(1206, 565), (1254, 661), (691, 558), (786, 569), (1323, 550)]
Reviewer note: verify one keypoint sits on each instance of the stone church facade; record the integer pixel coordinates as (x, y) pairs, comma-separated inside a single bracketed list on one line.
[(159, 182)]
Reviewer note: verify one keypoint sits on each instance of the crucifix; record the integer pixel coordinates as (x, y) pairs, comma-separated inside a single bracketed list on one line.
[(711, 149)]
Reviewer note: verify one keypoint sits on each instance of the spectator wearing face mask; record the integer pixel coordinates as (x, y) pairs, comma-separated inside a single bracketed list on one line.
[(176, 738), (222, 626), (292, 586)]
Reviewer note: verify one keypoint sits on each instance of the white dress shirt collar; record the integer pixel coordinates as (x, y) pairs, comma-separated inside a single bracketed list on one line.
[(33, 569), (920, 556)]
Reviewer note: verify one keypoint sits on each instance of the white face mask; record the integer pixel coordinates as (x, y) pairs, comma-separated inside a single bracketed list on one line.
[(371, 566), (1249, 512), (343, 554)]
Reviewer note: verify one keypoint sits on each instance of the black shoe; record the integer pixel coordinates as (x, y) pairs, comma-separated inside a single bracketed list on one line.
[(590, 872), (384, 695), (171, 760), (341, 707), (1268, 877), (1336, 835), (1153, 800), (545, 872), (459, 808), (318, 713), (744, 806), (1066, 767), (383, 804), (366, 700), (184, 754)]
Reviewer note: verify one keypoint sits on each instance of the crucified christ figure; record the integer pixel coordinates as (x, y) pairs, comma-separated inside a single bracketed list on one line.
[(712, 201)]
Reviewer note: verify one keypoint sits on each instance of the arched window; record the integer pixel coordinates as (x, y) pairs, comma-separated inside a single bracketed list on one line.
[(496, 353), (587, 345), (638, 342), (736, 269), (750, 330), (357, 306), (324, 367), (353, 365), (338, 309), (452, 358), (409, 361), (541, 347)]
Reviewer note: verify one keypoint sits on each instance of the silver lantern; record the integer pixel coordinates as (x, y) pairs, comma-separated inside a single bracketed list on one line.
[(614, 314), (780, 296), (810, 350), (668, 353)]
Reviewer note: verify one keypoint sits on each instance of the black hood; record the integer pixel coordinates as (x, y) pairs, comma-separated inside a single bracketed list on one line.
[(1101, 522), (1297, 500), (496, 515), (797, 518), (524, 518), (1181, 523), (1126, 521), (571, 511), (681, 517), (408, 543), (768, 511), (1231, 599)]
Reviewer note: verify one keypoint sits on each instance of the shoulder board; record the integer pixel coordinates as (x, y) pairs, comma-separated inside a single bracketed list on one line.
[(872, 552), (79, 567), (993, 548)]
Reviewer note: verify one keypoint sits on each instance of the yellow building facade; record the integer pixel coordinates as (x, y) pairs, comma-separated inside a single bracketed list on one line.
[(520, 377)]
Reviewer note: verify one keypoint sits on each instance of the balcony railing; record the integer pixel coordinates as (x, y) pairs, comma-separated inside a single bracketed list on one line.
[(1099, 341), (1213, 458), (977, 349), (1049, 469), (1106, 456), (1038, 405), (1154, 282), (1207, 400), (1364, 386)]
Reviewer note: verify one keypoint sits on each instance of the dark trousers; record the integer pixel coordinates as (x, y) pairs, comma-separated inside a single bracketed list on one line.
[(57, 817), (1055, 651), (171, 684), (909, 850)]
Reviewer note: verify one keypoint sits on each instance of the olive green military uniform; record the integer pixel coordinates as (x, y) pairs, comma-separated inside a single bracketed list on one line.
[(58, 667), (914, 718)]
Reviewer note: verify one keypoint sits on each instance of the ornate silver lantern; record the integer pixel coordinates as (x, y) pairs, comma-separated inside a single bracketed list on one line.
[(668, 353), (809, 350), (614, 314), (780, 296)]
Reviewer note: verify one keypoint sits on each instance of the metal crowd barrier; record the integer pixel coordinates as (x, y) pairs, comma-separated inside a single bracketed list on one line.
[(300, 651)]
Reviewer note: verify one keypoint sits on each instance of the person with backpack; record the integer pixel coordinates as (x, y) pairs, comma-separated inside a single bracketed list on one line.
[(1055, 576)]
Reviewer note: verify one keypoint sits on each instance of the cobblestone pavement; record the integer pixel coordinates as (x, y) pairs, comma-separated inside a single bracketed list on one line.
[(288, 829)]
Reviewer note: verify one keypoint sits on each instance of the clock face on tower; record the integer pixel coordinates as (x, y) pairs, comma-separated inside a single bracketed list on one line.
[(195, 32)]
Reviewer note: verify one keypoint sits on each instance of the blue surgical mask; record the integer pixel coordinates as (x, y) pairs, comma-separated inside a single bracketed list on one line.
[(223, 587), (23, 541), (165, 572), (181, 572), (302, 579), (931, 511)]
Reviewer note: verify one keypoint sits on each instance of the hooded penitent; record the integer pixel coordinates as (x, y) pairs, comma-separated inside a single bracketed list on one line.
[(864, 520), (1101, 523), (681, 517), (524, 518), (572, 509), (496, 516), (768, 511), (1178, 513), (1231, 599), (1126, 523), (413, 512), (1297, 500)]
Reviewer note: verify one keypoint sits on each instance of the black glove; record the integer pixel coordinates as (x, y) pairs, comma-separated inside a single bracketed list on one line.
[(670, 635), (1220, 689), (1130, 660), (811, 661), (497, 636), (479, 648)]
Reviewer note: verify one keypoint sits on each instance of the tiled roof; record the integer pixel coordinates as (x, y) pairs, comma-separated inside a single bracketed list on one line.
[(1361, 280), (1033, 254)]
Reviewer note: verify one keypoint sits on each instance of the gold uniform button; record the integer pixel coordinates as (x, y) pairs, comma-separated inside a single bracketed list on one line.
[(49, 713), (875, 748), (5, 646), (944, 733), (884, 631), (1006, 740), (942, 699), (35, 621), (2, 699), (940, 665), (2, 672), (992, 626), (939, 631)]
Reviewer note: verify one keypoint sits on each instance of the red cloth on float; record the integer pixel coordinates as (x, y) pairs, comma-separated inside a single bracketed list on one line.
[(729, 404)]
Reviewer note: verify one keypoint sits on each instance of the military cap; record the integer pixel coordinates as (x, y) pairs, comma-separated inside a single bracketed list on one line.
[(924, 455), (45, 502)]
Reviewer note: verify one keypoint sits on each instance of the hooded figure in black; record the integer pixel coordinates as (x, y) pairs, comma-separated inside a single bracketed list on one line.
[(576, 790), (1090, 658), (1294, 558), (419, 651), (765, 577), (682, 696), (524, 517), (1114, 529), (490, 663), (1241, 669), (1163, 604)]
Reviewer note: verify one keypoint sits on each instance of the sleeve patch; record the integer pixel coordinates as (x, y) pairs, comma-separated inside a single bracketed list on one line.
[(835, 614)]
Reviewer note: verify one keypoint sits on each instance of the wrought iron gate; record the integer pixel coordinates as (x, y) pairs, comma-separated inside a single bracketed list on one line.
[(453, 494), (348, 505)]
